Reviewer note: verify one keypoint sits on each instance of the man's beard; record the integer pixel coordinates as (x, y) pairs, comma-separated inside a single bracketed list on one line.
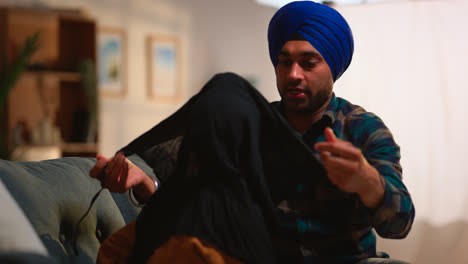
[(314, 103)]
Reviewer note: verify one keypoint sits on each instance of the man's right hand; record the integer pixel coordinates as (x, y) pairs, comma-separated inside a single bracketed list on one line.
[(121, 175)]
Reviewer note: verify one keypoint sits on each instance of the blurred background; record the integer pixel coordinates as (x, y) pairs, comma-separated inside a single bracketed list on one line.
[(106, 71)]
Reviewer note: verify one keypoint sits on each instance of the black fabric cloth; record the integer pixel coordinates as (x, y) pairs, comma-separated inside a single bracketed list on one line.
[(225, 160)]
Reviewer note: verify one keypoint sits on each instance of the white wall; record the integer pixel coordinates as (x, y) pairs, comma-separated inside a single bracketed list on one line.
[(409, 67), (231, 36)]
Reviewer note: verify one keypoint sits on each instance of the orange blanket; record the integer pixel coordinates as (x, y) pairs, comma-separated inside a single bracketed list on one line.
[(177, 250)]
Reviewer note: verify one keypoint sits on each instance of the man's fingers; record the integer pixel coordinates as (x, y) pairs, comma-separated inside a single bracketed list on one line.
[(342, 149), (116, 172), (329, 135), (342, 165), (324, 155), (123, 178), (96, 170), (100, 157), (114, 167)]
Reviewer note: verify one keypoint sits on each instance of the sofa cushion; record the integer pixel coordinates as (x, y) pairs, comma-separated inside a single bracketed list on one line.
[(54, 194)]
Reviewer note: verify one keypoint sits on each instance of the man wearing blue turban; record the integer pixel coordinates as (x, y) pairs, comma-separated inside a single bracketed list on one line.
[(307, 179), (311, 46)]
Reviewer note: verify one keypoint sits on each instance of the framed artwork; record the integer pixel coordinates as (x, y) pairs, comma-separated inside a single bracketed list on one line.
[(164, 68), (112, 62)]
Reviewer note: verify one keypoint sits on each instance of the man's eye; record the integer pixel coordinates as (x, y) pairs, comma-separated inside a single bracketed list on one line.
[(284, 62), (309, 64)]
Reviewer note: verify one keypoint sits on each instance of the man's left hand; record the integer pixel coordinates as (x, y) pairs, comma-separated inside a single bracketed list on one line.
[(349, 170)]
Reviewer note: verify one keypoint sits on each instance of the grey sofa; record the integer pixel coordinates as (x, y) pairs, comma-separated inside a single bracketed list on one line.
[(43, 201)]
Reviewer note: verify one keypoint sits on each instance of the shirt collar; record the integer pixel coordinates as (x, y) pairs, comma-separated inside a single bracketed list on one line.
[(331, 109)]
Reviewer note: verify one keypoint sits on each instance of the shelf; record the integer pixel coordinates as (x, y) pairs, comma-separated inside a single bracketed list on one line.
[(63, 76), (65, 147), (36, 152), (79, 147), (51, 88), (53, 151)]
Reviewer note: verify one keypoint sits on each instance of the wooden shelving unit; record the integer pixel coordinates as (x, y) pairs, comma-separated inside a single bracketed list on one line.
[(62, 76), (86, 149), (52, 90)]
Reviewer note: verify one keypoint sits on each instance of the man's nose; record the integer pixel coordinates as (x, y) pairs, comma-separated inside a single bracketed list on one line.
[(296, 72)]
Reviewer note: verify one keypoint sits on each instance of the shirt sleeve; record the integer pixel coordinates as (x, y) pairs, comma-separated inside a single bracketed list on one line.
[(394, 217)]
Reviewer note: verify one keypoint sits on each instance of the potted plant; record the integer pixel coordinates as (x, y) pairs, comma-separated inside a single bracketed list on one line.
[(10, 71), (88, 74)]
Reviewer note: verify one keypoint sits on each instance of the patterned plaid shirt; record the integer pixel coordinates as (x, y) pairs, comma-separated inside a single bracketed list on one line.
[(332, 226)]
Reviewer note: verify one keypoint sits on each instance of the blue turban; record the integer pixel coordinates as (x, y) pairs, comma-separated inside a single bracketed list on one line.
[(322, 26)]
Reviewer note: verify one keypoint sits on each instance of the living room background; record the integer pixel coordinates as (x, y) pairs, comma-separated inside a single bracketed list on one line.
[(409, 68)]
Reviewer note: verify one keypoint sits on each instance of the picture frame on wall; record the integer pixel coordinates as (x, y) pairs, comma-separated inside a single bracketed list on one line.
[(112, 59), (164, 61)]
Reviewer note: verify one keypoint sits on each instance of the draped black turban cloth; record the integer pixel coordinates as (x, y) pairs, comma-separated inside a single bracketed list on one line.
[(322, 26), (225, 160)]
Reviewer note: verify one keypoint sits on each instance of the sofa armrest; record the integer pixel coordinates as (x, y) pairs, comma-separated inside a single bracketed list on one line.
[(54, 194)]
